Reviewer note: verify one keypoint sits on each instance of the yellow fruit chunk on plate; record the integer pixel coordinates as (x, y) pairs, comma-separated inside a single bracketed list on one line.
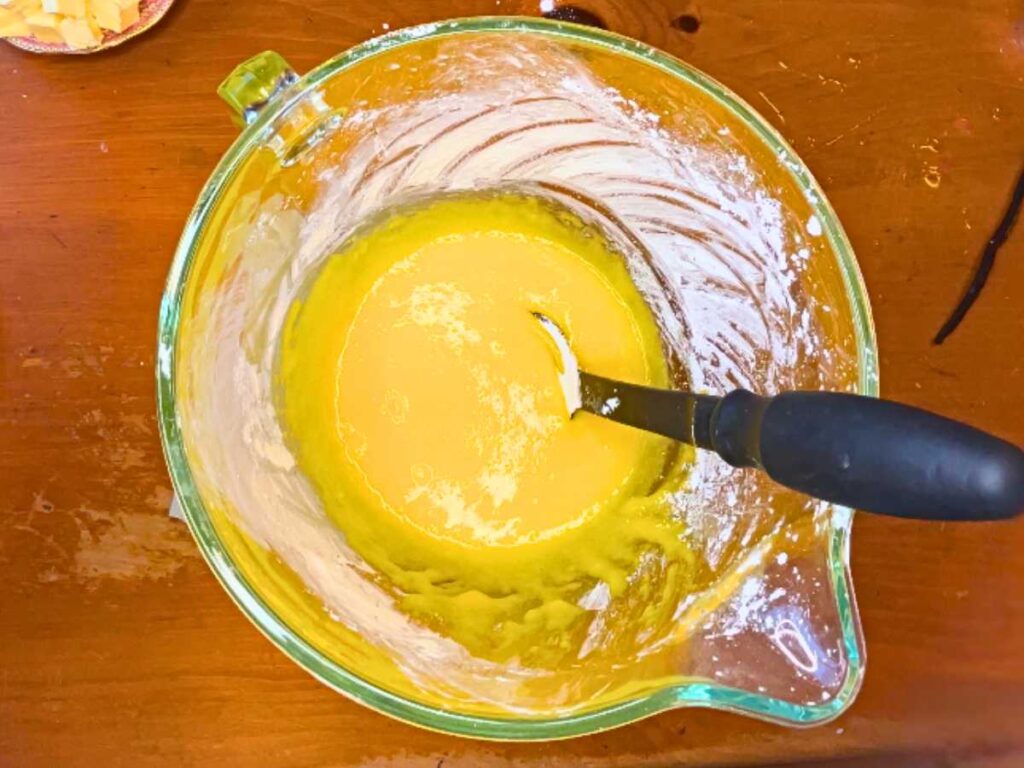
[(46, 35), (22, 7), (115, 15), (79, 33), (43, 19), (12, 24)]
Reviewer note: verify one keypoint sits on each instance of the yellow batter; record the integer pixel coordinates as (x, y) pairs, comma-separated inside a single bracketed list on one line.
[(421, 399)]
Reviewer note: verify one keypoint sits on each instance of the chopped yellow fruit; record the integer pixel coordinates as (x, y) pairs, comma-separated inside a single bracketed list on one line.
[(79, 34), (43, 19), (46, 35), (74, 8), (115, 15), (18, 5), (22, 7), (12, 25)]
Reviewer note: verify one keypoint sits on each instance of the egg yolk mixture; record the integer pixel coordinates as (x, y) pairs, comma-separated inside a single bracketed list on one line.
[(421, 399)]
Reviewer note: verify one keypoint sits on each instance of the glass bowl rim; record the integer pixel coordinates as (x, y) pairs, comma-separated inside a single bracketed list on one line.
[(697, 693)]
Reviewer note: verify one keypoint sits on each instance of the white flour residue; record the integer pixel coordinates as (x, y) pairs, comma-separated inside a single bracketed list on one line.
[(442, 308)]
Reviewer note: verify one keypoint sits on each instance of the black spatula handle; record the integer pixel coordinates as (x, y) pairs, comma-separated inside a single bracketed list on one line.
[(870, 454)]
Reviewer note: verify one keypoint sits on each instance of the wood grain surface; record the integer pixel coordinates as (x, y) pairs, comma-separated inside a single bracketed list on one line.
[(117, 646)]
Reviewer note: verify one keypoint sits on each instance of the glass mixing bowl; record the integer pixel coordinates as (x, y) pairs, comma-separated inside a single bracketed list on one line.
[(746, 267)]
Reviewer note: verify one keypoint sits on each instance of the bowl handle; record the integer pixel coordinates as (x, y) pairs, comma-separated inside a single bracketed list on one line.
[(255, 83)]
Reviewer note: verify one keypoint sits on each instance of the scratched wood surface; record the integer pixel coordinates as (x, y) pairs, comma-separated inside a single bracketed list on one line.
[(117, 647)]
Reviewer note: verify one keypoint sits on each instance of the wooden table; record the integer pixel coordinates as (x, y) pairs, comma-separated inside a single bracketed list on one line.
[(117, 646)]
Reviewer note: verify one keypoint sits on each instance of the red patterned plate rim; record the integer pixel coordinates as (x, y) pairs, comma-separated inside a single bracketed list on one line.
[(150, 12)]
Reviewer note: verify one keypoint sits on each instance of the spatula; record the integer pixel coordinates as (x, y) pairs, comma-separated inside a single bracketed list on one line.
[(861, 452)]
